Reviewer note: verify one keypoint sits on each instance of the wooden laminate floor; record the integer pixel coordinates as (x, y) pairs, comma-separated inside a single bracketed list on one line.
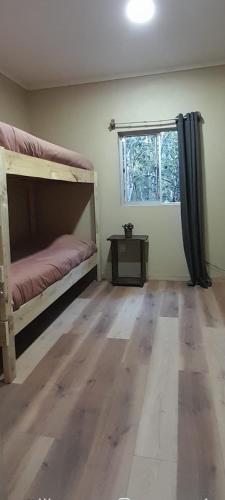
[(123, 396)]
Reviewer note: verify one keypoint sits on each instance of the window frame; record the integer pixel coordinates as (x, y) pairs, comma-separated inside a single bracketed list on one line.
[(134, 132)]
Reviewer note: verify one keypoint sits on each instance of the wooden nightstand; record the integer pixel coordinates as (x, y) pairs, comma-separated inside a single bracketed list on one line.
[(124, 280)]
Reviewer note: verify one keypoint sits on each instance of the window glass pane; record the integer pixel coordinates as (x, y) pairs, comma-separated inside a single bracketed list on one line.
[(170, 188), (141, 170), (150, 167)]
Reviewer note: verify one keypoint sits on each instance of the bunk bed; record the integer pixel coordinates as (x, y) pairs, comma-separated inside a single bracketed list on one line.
[(30, 284)]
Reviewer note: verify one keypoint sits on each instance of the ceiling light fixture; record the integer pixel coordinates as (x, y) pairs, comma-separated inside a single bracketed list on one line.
[(140, 11)]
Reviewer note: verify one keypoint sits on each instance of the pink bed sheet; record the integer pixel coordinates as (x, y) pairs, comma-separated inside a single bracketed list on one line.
[(32, 275), (17, 140)]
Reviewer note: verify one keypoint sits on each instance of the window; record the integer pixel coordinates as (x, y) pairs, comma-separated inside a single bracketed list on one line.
[(149, 166)]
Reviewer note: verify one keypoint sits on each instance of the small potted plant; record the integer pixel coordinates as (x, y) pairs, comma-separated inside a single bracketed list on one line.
[(128, 229)]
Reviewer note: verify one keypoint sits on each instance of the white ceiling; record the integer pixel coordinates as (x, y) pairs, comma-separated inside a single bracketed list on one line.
[(58, 42)]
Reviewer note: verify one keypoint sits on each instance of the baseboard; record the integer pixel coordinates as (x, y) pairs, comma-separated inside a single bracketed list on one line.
[(167, 277)]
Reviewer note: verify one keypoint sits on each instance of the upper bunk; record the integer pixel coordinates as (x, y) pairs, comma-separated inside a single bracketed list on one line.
[(23, 154)]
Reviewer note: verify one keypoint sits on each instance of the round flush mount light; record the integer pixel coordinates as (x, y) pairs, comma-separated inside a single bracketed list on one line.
[(140, 11)]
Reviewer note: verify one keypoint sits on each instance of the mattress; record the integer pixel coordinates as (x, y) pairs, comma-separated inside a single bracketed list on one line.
[(33, 274), (17, 140)]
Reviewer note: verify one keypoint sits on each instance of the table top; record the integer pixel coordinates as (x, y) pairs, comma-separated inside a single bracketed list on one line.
[(139, 237)]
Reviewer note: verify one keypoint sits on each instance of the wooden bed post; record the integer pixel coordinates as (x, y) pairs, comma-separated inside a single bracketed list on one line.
[(97, 232), (7, 338)]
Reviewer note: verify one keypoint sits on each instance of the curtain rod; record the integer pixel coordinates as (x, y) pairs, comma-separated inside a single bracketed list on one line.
[(121, 125), (113, 125)]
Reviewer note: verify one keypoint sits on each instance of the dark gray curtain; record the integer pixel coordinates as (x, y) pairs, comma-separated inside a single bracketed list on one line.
[(192, 215)]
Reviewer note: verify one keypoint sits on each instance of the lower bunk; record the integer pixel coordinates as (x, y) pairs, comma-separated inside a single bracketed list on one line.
[(37, 281)]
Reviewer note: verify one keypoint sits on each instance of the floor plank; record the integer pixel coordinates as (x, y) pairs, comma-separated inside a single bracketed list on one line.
[(3, 495), (31, 452), (26, 398), (139, 348), (157, 435), (65, 322), (192, 353), (55, 408), (170, 302), (215, 350), (68, 456), (95, 412), (152, 479), (200, 466), (124, 322), (209, 309), (219, 293), (107, 471)]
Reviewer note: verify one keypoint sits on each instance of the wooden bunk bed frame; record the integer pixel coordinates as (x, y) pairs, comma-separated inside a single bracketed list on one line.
[(12, 322)]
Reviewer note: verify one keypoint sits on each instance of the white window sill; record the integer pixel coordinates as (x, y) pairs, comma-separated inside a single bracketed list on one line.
[(151, 204)]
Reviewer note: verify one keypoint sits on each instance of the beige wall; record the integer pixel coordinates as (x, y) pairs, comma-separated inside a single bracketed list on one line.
[(78, 116), (13, 104)]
